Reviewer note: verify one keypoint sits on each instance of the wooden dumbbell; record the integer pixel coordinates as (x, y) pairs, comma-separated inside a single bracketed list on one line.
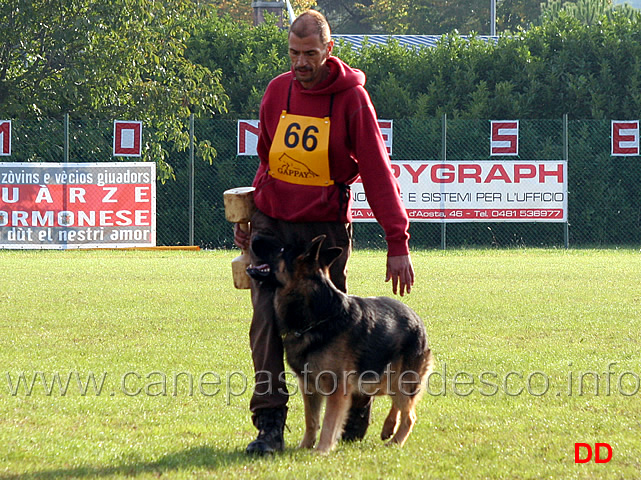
[(239, 207)]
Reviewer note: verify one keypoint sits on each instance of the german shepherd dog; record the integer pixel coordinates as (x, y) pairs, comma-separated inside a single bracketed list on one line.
[(340, 344)]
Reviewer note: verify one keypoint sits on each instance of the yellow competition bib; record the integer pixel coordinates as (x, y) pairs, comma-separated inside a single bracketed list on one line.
[(300, 151)]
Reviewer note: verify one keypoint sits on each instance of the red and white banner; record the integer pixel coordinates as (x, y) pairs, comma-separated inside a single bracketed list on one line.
[(5, 138), (625, 138), (387, 130), (248, 136), (77, 205), (127, 139), (476, 191), (504, 137)]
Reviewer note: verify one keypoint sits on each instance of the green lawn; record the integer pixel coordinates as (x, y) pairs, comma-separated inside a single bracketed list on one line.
[(536, 350)]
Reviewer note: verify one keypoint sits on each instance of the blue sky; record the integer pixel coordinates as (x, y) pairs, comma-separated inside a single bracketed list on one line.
[(634, 3)]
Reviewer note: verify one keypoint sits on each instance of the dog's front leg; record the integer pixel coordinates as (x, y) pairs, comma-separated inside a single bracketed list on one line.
[(312, 402), (335, 416)]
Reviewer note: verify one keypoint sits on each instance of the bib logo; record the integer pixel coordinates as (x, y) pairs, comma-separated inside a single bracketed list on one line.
[(293, 168), (588, 454)]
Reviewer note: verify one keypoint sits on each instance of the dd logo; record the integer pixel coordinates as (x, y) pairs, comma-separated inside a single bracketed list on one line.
[(578, 447)]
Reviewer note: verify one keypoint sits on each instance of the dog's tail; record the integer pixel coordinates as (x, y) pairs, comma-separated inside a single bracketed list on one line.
[(422, 364)]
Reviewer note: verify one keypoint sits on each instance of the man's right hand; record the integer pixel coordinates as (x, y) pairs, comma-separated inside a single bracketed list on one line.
[(241, 237), (401, 271)]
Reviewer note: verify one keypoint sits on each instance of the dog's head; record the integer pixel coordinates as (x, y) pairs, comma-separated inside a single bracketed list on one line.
[(279, 264), (267, 253)]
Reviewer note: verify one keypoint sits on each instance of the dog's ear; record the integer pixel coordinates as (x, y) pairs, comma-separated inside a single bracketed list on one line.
[(324, 258), (313, 249), (329, 256)]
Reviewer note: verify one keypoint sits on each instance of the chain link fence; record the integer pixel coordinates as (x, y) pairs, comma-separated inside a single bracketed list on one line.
[(604, 192)]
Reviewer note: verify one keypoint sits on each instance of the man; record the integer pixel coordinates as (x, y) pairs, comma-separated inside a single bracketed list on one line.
[(318, 132)]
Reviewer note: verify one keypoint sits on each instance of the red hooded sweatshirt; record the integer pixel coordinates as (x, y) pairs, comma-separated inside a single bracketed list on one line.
[(355, 147)]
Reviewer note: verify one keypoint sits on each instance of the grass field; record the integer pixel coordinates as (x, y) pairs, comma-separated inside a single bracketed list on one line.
[(536, 350)]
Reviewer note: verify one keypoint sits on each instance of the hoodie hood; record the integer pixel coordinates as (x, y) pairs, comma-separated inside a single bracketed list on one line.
[(341, 77)]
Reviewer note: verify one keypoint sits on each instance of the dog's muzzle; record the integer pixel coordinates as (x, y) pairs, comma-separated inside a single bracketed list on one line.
[(259, 272)]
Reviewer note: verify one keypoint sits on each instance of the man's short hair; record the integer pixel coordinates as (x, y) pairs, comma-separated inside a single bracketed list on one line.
[(311, 22)]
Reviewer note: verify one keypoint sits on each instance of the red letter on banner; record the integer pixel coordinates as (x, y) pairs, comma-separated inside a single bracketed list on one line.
[(386, 131), (127, 139), (5, 137), (504, 139), (625, 137)]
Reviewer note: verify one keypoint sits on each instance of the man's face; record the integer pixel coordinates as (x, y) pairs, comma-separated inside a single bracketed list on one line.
[(308, 56)]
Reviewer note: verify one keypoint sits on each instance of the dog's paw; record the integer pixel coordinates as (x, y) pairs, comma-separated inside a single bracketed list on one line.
[(324, 448), (388, 431), (323, 451), (305, 443)]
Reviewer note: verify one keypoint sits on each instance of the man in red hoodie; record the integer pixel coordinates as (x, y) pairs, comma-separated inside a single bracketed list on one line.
[(318, 133)]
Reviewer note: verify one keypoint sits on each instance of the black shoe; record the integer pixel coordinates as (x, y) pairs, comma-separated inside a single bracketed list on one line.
[(357, 422), (271, 425)]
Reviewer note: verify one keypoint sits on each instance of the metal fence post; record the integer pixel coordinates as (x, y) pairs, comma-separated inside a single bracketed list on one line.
[(191, 179), (66, 138), (566, 157), (444, 159)]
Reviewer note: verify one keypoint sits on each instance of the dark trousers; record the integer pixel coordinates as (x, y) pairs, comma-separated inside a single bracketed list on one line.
[(267, 348)]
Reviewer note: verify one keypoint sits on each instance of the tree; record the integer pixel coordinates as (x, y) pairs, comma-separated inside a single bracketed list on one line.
[(123, 58), (247, 57), (402, 17), (347, 16), (514, 14), (588, 12), (241, 10), (409, 16)]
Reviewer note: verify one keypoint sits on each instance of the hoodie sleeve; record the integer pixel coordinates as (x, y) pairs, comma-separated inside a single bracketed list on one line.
[(381, 187), (268, 119)]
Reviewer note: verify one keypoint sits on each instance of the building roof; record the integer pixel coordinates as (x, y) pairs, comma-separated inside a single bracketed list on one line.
[(417, 41)]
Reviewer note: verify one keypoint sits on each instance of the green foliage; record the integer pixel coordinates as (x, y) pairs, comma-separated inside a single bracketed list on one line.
[(427, 17), (561, 66), (513, 15), (247, 58), (119, 59), (589, 12)]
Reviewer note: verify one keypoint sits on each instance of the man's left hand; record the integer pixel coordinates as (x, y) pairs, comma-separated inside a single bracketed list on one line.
[(401, 272)]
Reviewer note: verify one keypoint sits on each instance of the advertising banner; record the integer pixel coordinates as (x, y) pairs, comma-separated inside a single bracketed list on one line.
[(476, 191), (504, 137), (247, 138), (77, 205), (624, 138)]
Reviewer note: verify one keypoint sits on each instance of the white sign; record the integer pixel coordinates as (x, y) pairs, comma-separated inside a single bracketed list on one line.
[(127, 139), (504, 137), (476, 191), (625, 138), (248, 136)]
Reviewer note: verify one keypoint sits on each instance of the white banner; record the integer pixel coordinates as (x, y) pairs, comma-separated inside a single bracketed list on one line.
[(477, 191)]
